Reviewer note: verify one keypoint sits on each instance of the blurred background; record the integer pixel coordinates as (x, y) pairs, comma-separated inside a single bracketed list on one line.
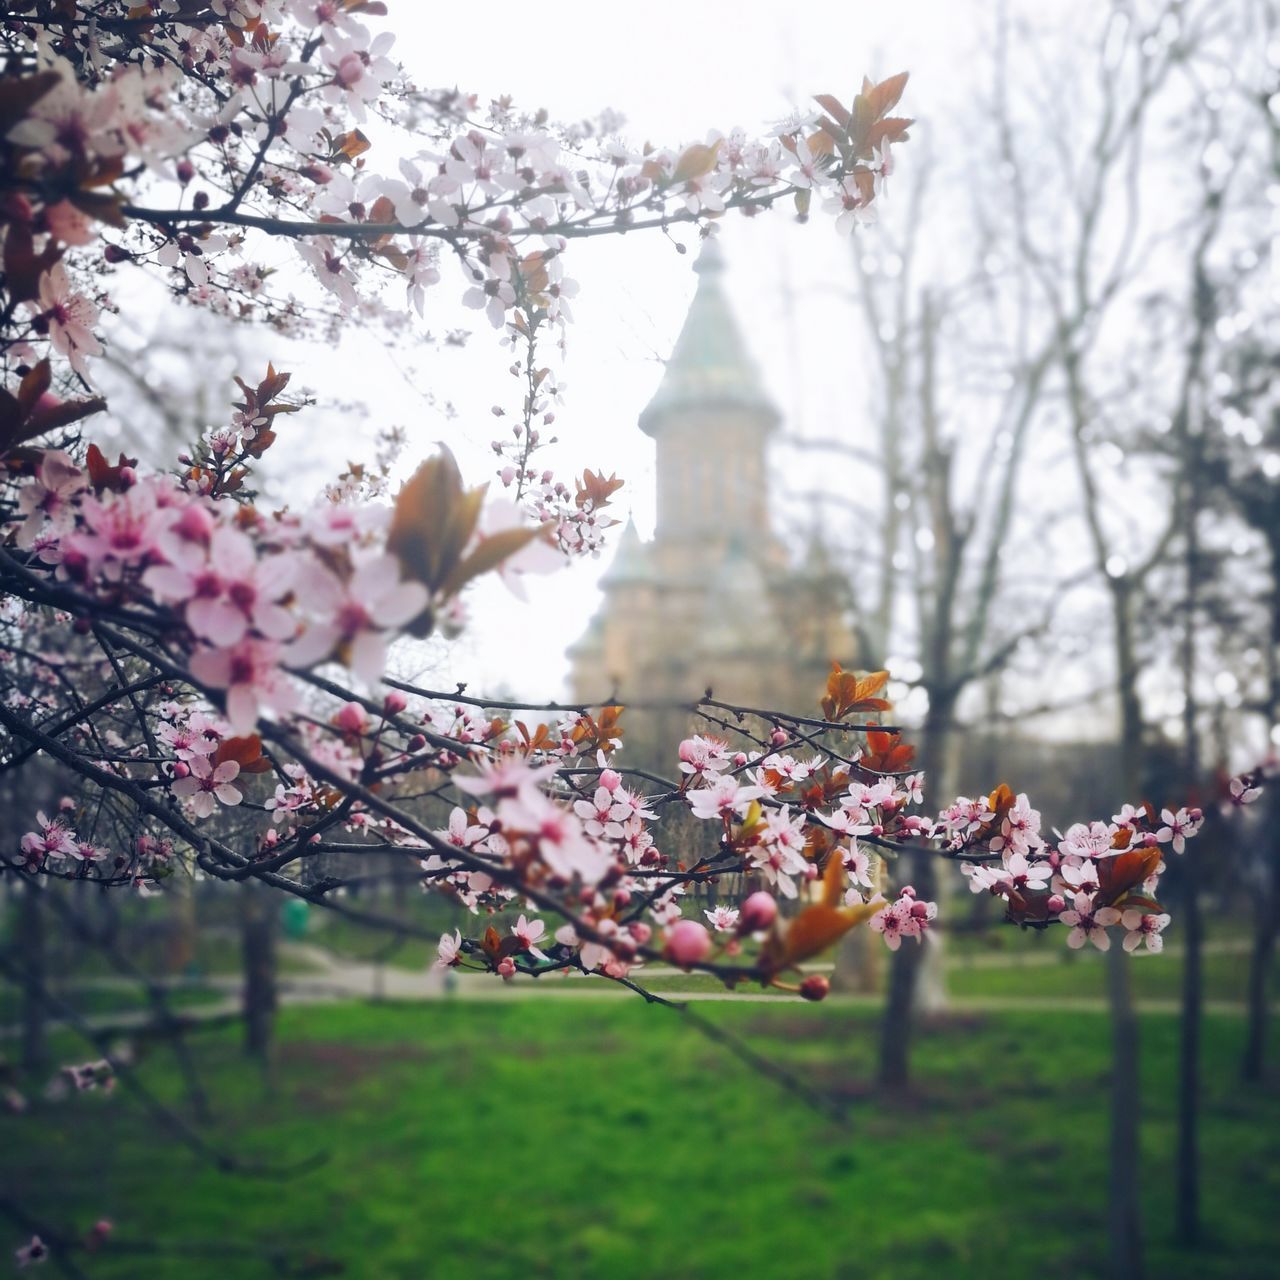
[(1018, 443)]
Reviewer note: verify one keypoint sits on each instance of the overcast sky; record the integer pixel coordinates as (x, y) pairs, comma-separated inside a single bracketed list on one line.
[(674, 70)]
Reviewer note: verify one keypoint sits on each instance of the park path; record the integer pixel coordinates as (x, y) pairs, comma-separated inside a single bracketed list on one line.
[(335, 979)]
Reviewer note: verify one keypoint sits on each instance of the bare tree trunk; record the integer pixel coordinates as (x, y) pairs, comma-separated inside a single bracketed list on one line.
[(905, 967), (258, 939), (1187, 1169), (859, 963), (1267, 921), (1253, 1063), (1124, 1205), (1187, 1197), (32, 954), (1124, 1218)]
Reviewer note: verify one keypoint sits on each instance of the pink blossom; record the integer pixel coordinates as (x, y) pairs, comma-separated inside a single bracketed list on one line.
[(722, 919), (603, 815), (529, 933), (205, 783), (252, 677), (70, 318), (1143, 926), (233, 590), (448, 952), (723, 799), (35, 1250), (1087, 923), (355, 616), (53, 840)]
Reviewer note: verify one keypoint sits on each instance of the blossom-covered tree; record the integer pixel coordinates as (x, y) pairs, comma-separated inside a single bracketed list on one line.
[(206, 679)]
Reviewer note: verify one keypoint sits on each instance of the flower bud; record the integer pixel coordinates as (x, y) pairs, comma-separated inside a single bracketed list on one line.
[(507, 968), (351, 719), (394, 703), (758, 912), (417, 742), (815, 987), (1056, 904), (181, 769), (920, 910), (778, 738), (186, 171), (688, 943)]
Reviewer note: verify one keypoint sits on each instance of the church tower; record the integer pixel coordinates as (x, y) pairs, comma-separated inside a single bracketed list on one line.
[(712, 600)]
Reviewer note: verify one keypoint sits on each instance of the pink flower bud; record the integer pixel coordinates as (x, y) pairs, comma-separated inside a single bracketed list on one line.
[(778, 738), (507, 968), (640, 932), (417, 742), (351, 719), (688, 943), (394, 703), (920, 910), (186, 171), (758, 912), (1056, 904), (815, 987), (739, 759), (610, 780), (810, 871)]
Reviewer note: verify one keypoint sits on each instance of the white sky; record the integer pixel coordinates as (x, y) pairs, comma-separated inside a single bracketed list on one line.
[(674, 70)]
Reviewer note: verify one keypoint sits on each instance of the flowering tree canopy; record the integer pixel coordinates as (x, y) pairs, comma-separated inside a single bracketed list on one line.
[(206, 680), (206, 673)]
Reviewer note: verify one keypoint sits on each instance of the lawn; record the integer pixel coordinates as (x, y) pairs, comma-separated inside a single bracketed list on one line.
[(604, 1138)]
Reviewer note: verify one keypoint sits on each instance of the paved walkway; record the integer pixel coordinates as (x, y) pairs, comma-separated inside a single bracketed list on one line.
[(336, 979)]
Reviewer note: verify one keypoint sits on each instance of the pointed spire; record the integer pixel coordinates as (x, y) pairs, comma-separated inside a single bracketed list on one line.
[(630, 561), (710, 366)]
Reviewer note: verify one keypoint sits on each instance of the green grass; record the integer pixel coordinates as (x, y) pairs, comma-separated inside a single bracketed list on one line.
[(604, 1138)]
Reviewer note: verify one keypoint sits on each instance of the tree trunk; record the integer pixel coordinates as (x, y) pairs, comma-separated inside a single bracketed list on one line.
[(1267, 908), (859, 963), (32, 954), (1261, 958), (258, 938), (1124, 1219), (908, 961), (1187, 1197)]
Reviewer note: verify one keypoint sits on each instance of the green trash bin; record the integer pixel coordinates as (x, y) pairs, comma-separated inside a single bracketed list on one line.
[(296, 914)]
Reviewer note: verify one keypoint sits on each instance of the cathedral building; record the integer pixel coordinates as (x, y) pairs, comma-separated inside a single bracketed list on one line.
[(715, 600)]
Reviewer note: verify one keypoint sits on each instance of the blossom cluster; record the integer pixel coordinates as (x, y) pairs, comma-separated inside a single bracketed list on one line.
[(1097, 874), (186, 142), (249, 597)]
